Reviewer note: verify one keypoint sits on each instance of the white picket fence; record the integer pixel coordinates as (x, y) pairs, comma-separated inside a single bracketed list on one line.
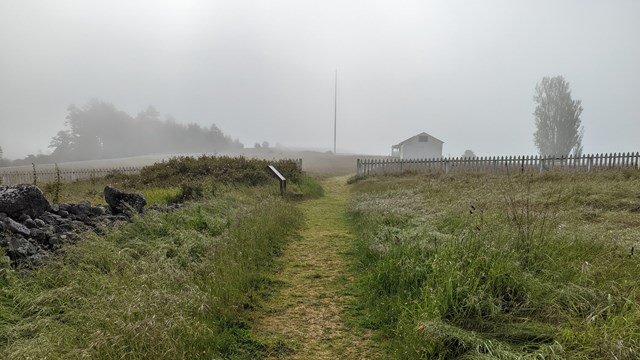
[(25, 176), (500, 164)]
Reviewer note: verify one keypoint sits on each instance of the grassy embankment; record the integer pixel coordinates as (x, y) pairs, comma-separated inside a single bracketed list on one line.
[(173, 285), (482, 266)]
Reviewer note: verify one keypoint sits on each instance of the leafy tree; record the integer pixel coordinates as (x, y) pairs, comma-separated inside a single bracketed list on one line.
[(62, 145), (265, 144), (1, 153), (468, 154), (557, 118), (99, 130)]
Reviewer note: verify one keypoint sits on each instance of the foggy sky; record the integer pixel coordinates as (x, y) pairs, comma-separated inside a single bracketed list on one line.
[(463, 71)]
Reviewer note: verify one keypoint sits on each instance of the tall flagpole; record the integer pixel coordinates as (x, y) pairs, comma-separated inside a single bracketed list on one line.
[(335, 113)]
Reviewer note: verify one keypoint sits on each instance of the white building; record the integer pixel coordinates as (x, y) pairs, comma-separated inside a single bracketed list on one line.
[(421, 146)]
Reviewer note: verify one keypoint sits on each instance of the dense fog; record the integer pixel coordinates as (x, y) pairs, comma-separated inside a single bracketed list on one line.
[(246, 72)]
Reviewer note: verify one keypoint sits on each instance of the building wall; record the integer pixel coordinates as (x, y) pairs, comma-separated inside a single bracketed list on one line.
[(416, 149)]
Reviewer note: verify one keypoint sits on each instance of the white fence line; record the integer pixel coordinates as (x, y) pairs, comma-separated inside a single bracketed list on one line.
[(500, 164), (13, 177)]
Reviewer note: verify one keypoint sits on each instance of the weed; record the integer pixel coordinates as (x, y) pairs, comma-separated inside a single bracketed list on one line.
[(56, 185), (34, 175)]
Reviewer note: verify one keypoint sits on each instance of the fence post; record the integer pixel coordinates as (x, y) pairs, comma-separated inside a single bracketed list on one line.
[(590, 163)]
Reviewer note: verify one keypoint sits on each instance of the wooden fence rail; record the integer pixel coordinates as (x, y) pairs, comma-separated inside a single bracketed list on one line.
[(496, 164)]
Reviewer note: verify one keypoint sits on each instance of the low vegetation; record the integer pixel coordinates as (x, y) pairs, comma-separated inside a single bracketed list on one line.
[(507, 266), (185, 178), (178, 285)]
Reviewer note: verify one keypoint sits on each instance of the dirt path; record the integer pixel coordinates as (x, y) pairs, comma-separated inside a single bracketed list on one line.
[(308, 310)]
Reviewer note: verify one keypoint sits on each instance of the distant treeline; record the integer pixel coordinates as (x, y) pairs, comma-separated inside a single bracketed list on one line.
[(100, 131)]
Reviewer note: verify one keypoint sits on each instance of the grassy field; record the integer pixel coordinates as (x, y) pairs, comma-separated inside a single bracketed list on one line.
[(430, 266), (177, 285), (509, 267), (313, 162)]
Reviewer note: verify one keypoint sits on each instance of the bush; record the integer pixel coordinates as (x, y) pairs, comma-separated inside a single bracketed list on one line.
[(219, 169), (191, 191)]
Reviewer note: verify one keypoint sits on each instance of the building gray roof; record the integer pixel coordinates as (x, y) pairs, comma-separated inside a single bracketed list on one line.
[(422, 133)]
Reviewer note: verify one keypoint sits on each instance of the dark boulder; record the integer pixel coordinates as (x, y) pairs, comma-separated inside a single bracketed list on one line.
[(15, 227), (81, 208), (39, 236), (19, 247), (98, 211), (118, 200), (30, 223), (18, 200)]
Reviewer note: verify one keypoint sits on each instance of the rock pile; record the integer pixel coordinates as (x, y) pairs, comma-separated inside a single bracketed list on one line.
[(31, 228)]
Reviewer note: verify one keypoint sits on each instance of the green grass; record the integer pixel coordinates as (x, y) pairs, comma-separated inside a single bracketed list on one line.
[(482, 266), (165, 286), (307, 187), (177, 285)]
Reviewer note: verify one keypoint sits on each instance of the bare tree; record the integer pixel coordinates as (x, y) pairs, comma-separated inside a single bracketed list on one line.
[(557, 118)]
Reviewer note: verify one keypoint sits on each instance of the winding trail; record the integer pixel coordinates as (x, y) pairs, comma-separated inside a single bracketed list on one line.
[(308, 311)]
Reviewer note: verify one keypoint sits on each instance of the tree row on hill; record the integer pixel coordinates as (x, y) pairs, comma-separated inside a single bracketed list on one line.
[(99, 130)]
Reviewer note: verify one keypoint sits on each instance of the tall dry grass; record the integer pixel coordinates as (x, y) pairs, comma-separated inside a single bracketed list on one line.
[(510, 267), (177, 285)]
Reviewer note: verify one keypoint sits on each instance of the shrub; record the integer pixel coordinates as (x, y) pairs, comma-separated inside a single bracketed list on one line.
[(220, 169)]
